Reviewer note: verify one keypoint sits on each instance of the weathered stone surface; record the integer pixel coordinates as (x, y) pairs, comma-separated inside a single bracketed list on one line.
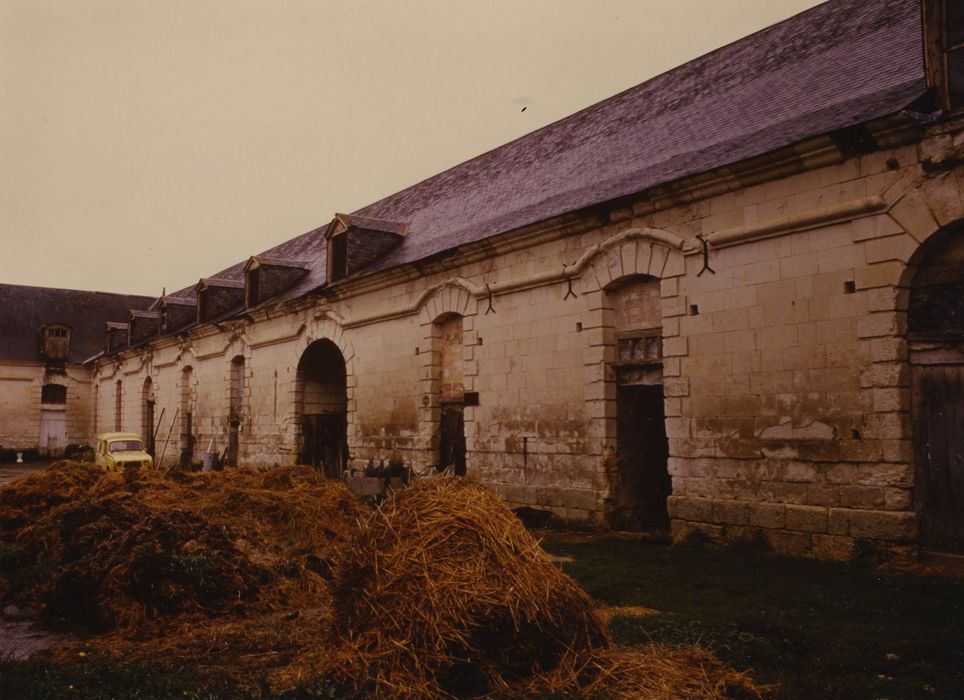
[(883, 525), (832, 547), (861, 496), (807, 518), (768, 515)]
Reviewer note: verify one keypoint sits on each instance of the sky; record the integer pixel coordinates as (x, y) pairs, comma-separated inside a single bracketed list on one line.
[(145, 144)]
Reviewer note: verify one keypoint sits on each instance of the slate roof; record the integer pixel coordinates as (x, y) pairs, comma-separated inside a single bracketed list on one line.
[(25, 310), (836, 65)]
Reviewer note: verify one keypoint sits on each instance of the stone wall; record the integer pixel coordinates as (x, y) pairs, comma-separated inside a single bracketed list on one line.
[(784, 370), (21, 385)]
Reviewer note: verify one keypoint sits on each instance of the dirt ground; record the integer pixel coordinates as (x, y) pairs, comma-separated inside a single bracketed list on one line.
[(19, 637), (10, 471)]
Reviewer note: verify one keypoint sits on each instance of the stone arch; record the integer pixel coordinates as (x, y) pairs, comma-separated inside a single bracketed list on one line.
[(920, 215), (450, 297), (637, 251), (233, 416), (633, 255), (118, 405), (148, 418), (187, 402), (323, 326), (935, 345), (438, 308), (321, 404)]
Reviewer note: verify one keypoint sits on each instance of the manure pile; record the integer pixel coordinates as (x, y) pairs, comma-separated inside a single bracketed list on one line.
[(101, 552), (282, 577)]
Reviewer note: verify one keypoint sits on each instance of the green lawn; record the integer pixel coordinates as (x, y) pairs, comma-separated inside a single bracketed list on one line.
[(812, 629)]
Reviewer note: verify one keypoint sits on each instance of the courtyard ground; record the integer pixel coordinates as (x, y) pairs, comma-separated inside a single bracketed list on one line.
[(802, 628), (811, 629)]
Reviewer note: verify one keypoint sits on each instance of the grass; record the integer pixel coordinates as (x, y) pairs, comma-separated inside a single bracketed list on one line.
[(811, 629), (98, 680)]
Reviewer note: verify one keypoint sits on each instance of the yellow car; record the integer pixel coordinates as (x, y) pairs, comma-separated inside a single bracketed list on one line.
[(116, 451)]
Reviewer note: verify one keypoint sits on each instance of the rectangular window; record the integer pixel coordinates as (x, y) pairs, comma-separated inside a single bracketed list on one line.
[(642, 346), (338, 262)]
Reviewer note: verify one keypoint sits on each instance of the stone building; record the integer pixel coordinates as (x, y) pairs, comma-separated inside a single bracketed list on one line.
[(45, 337), (729, 298)]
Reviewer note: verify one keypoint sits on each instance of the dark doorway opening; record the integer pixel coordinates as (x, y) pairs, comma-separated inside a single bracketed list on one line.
[(149, 427), (643, 482), (323, 408), (935, 334), (452, 438), (938, 408)]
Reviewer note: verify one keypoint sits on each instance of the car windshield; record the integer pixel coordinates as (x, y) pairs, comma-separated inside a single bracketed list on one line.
[(125, 446)]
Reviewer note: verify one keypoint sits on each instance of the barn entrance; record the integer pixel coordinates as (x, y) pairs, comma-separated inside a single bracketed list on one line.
[(53, 432), (53, 419), (936, 341), (323, 408), (641, 483), (452, 450), (644, 483)]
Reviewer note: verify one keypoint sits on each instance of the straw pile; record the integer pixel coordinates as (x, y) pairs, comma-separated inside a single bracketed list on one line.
[(654, 672), (445, 593), (35, 495), (138, 550), (279, 577)]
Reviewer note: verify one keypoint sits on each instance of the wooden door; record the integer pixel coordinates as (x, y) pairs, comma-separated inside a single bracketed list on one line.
[(53, 432), (325, 443), (642, 452), (452, 438), (938, 412)]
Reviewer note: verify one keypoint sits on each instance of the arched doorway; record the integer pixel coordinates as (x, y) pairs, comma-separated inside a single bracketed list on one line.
[(641, 481), (451, 393), (236, 380), (322, 408), (147, 415), (935, 334), (187, 418), (53, 419)]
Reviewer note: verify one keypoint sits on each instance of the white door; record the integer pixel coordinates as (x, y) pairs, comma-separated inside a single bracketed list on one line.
[(53, 432)]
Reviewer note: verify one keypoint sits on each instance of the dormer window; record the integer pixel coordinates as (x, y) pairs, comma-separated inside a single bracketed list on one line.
[(56, 342), (174, 313), (115, 336), (216, 297), (141, 325), (268, 277), (338, 257), (354, 242), (944, 25), (954, 42)]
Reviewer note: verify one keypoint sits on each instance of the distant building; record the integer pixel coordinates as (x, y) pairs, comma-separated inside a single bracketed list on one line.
[(45, 336), (729, 298)]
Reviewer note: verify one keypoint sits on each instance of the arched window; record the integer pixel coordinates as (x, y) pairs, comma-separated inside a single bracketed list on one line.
[(147, 414), (187, 418), (236, 390), (53, 393), (118, 405)]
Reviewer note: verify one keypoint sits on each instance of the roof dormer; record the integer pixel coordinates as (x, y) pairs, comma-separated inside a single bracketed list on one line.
[(944, 52), (141, 325), (55, 342), (115, 336), (216, 297), (174, 313), (357, 241), (267, 277)]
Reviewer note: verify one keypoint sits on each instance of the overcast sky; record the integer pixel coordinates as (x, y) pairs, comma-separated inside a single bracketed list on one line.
[(148, 143)]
